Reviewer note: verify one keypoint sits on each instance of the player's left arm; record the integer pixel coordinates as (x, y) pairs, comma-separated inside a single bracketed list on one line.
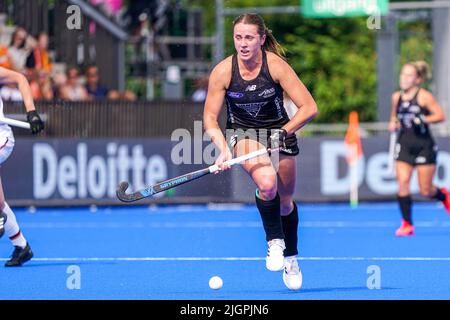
[(24, 87), (436, 113), (282, 72)]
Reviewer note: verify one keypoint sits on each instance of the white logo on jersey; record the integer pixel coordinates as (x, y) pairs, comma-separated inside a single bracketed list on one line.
[(279, 104), (267, 93), (414, 109), (251, 88), (252, 108), (287, 150), (421, 160)]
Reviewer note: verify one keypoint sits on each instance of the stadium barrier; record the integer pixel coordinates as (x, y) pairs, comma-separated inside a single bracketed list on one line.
[(69, 171), (111, 118)]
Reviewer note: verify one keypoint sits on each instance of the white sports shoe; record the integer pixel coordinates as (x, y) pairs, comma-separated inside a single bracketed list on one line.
[(292, 276), (275, 257)]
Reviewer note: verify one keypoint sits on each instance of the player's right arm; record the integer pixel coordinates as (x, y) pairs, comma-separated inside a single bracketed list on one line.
[(393, 122), (218, 82)]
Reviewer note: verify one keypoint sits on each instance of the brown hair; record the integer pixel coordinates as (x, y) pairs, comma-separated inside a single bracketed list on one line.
[(271, 44), (13, 36), (422, 68)]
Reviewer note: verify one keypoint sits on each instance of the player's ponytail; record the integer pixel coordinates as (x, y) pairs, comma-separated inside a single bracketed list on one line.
[(271, 44), (423, 70)]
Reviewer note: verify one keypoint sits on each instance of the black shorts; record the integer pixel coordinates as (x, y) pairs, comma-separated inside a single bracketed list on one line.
[(262, 136), (416, 151)]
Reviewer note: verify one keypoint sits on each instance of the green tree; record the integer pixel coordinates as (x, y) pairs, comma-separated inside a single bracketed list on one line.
[(335, 58), (415, 43), (336, 61)]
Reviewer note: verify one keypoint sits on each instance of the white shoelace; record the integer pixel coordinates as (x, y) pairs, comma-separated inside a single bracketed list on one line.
[(276, 247)]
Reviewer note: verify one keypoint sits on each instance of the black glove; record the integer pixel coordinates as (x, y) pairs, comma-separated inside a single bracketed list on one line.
[(277, 139), (35, 122)]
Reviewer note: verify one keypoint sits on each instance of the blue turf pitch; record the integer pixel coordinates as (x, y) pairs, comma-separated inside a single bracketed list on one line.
[(170, 252)]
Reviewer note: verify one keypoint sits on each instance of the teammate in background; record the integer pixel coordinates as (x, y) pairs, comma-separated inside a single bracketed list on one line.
[(413, 110), (251, 82), (8, 223)]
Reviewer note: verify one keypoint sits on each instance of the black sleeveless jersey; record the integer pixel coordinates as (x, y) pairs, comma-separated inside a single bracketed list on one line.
[(256, 103), (407, 111)]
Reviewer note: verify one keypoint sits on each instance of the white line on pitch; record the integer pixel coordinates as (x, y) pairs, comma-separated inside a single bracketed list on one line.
[(111, 259), (228, 224)]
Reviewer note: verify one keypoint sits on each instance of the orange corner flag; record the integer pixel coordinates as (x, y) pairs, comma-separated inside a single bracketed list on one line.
[(353, 138)]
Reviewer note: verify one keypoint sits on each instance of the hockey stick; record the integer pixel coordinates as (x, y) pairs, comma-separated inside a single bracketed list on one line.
[(15, 123), (391, 156), (185, 178)]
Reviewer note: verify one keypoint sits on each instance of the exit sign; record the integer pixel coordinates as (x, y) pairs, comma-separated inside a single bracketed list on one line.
[(343, 8)]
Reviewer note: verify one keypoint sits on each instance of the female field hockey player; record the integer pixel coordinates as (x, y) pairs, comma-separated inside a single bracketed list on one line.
[(8, 223), (413, 110), (251, 82)]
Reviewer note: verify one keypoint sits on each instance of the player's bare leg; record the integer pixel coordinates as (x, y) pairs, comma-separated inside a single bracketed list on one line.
[(427, 189), (22, 251), (404, 173), (267, 200)]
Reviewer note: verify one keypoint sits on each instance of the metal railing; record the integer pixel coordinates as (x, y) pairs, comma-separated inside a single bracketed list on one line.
[(154, 119), (111, 119), (367, 129)]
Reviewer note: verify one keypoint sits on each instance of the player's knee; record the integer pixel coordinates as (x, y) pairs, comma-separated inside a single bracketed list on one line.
[(286, 209), (403, 186), (267, 188), (286, 205)]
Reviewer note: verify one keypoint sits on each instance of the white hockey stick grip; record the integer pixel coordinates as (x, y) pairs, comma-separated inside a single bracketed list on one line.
[(15, 123), (243, 158)]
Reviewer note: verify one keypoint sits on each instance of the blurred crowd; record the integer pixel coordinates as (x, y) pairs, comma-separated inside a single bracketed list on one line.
[(31, 57)]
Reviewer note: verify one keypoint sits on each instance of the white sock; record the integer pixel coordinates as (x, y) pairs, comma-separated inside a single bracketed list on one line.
[(12, 229)]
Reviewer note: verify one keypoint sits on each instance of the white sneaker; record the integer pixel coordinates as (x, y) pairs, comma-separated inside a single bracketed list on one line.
[(275, 257), (292, 276)]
